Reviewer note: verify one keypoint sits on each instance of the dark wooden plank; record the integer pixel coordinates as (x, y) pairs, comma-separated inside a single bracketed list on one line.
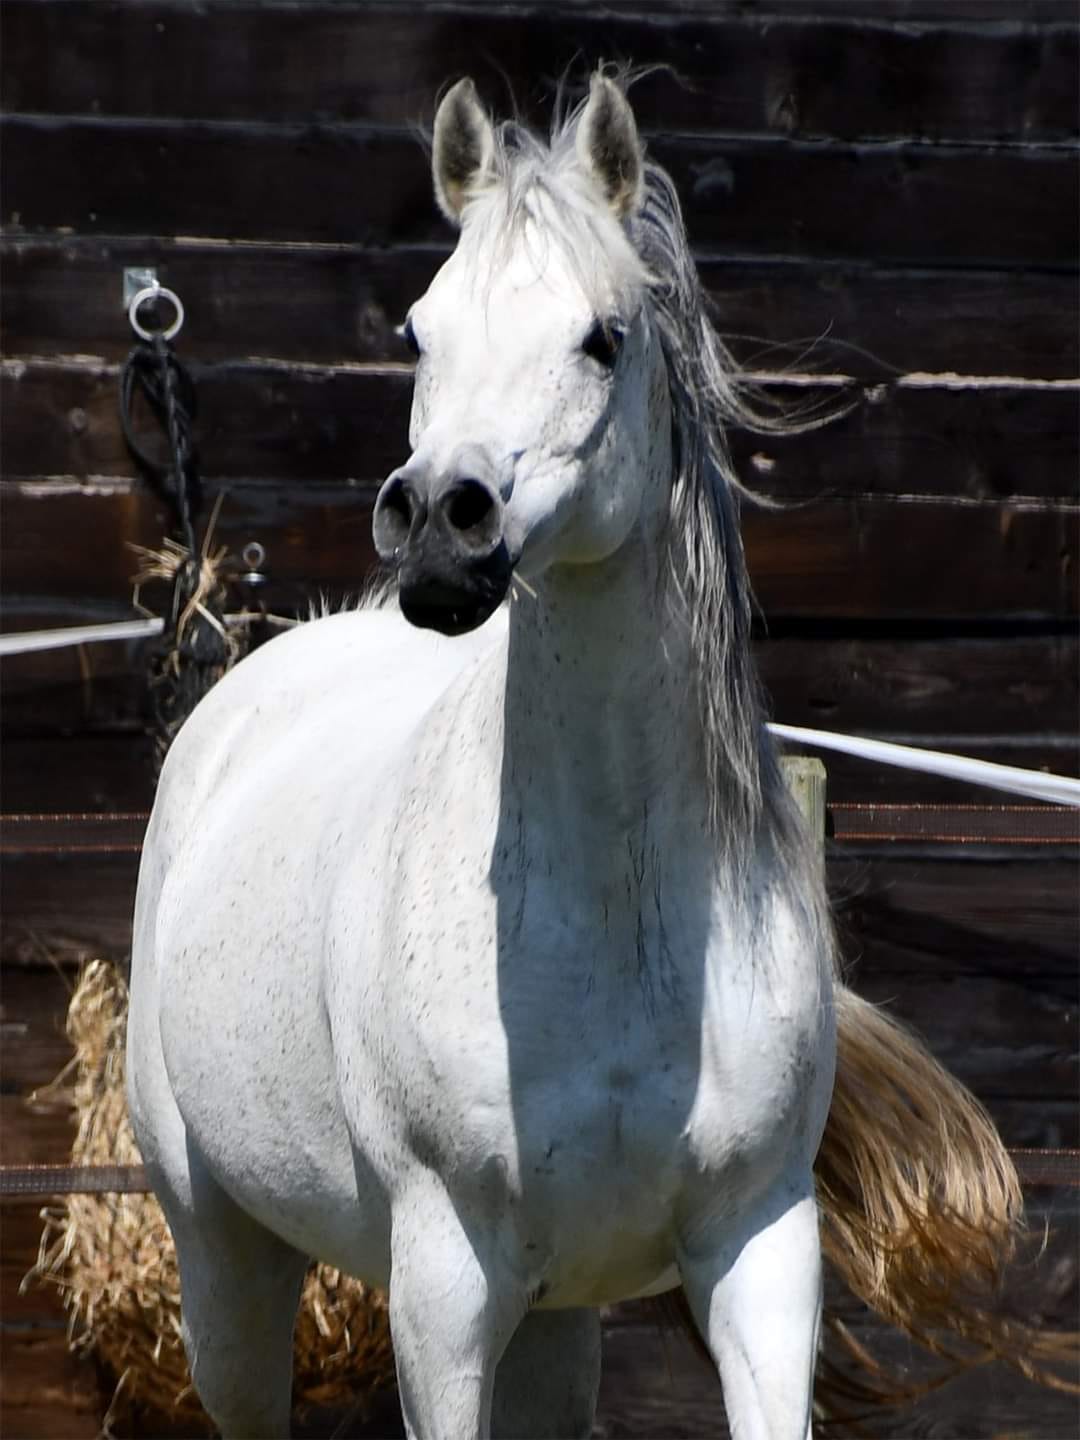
[(913, 203), (35, 1133), (962, 918), (37, 1305), (49, 768), (321, 305), (97, 688), (844, 558), (48, 1393), (33, 1008), (855, 75), (855, 781), (951, 689), (943, 692), (655, 1386), (77, 773), (314, 303), (848, 557), (978, 956), (67, 907), (267, 421), (872, 322), (916, 438), (1004, 1039)]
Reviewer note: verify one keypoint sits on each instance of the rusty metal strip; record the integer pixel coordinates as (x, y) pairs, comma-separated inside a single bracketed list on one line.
[(121, 832), (1059, 1168), (957, 824), (27, 1181)]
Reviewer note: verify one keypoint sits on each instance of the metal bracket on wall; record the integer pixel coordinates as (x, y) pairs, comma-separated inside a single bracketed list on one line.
[(136, 278)]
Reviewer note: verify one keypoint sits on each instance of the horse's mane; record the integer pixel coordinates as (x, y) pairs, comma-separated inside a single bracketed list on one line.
[(705, 579)]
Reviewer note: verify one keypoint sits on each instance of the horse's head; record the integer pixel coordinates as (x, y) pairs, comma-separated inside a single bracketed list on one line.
[(540, 408)]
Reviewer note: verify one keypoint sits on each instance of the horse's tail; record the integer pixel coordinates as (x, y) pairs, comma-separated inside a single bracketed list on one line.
[(921, 1211)]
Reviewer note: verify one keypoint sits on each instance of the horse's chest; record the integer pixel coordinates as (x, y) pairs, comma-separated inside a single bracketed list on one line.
[(579, 1148)]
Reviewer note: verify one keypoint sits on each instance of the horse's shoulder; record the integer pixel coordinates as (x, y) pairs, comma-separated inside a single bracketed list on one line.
[(346, 685)]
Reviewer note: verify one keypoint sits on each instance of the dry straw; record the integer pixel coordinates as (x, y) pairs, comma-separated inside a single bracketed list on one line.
[(113, 1258)]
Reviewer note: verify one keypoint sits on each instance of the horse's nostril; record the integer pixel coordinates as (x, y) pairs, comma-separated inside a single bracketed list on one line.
[(398, 502), (471, 510), (468, 504), (395, 511)]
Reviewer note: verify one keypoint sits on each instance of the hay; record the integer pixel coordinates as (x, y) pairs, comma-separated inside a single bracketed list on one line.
[(113, 1258)]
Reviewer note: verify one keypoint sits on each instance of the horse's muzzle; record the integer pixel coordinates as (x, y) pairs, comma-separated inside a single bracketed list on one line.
[(443, 534)]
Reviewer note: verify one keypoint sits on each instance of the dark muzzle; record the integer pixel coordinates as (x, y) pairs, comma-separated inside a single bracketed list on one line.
[(443, 536)]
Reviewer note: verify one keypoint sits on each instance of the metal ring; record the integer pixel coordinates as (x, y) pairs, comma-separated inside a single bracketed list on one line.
[(156, 292)]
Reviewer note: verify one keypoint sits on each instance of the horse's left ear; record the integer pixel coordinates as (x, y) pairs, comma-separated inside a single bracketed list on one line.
[(608, 146), (462, 149)]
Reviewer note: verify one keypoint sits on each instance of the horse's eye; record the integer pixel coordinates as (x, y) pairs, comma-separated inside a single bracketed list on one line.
[(603, 341), (408, 334)]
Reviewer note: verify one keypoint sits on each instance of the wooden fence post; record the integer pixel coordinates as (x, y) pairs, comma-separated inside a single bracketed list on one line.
[(805, 776)]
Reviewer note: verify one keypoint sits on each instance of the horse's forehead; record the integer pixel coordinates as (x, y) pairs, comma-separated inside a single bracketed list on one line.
[(530, 272)]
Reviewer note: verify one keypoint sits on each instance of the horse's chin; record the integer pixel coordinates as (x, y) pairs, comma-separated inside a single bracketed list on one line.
[(433, 603)]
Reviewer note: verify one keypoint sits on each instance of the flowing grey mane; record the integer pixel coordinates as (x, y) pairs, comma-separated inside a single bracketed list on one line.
[(705, 578)]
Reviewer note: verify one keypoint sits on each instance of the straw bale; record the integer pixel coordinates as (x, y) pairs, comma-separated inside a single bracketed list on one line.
[(113, 1258)]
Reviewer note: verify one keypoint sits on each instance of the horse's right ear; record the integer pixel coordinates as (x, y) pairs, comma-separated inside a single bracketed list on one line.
[(463, 148)]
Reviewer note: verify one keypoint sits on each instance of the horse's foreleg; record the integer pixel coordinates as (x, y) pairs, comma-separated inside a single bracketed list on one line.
[(756, 1298), (546, 1383), (452, 1312), (239, 1288)]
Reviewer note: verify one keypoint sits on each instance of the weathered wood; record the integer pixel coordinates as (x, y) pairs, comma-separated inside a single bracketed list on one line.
[(63, 769), (845, 557), (852, 780), (905, 203), (944, 692), (48, 1394), (947, 691), (906, 915), (325, 304), (95, 772), (67, 906), (855, 75), (805, 777), (654, 1387), (978, 956), (964, 918), (268, 421)]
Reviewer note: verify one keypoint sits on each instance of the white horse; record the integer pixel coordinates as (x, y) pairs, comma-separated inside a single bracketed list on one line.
[(496, 969)]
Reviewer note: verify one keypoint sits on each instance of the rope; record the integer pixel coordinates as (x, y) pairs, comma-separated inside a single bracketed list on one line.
[(1037, 784), (29, 641), (197, 646), (153, 369)]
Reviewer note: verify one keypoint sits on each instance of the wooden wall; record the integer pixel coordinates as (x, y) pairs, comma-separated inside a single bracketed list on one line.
[(883, 191)]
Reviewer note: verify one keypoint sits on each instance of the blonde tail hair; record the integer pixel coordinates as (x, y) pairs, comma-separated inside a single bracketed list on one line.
[(921, 1211)]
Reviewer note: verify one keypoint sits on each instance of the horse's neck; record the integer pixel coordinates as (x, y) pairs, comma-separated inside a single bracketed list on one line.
[(601, 724)]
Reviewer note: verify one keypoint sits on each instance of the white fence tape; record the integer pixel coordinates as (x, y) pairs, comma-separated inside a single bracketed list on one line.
[(29, 640), (1036, 784)]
